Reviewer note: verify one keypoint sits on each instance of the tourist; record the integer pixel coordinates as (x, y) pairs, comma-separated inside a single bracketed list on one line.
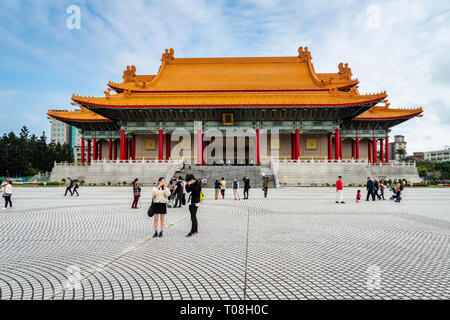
[(217, 187), (69, 185), (376, 187), (7, 193), (398, 190), (370, 189), (236, 189), (339, 190), (75, 187), (195, 188), (382, 187), (136, 193), (266, 186), (178, 192), (358, 196), (35, 183), (223, 186), (161, 195), (246, 187)]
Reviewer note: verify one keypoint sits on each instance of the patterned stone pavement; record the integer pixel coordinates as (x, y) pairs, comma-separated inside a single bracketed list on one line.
[(301, 245)]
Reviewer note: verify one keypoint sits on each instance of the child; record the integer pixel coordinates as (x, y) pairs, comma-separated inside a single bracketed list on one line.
[(358, 196)]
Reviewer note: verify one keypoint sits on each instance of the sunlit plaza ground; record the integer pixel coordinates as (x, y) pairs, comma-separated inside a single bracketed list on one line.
[(301, 245)]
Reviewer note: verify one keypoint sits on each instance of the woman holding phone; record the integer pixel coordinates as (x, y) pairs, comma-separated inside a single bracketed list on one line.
[(161, 195)]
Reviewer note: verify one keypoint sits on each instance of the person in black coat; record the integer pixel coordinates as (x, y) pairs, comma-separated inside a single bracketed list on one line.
[(370, 189), (195, 188), (246, 187)]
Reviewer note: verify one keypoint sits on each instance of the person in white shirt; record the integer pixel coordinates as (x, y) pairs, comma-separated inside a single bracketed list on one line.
[(7, 193), (161, 195)]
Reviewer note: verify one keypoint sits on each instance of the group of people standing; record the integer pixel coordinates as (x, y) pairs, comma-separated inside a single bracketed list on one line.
[(162, 194), (220, 187), (375, 189)]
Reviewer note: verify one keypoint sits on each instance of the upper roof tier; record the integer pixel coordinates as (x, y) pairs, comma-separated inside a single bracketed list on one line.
[(235, 74)]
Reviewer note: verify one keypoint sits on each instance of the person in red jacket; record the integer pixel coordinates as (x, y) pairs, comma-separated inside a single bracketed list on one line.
[(339, 190)]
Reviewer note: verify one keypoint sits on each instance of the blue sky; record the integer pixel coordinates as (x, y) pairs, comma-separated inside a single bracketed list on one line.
[(398, 46)]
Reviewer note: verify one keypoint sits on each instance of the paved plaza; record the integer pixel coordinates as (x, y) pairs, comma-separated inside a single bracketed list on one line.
[(301, 245)]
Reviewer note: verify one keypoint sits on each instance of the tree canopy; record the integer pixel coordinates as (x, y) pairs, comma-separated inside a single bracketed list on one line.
[(27, 154)]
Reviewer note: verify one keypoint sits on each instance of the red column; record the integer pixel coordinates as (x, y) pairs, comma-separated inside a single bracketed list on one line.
[(115, 149), (94, 152), (292, 146), (381, 151), (369, 151), (100, 150), (203, 152), (337, 140), (133, 148), (199, 147), (353, 149), (127, 149), (123, 145), (168, 137), (387, 149), (110, 149), (340, 148), (160, 145), (330, 148), (89, 152), (82, 150), (374, 154), (297, 144), (357, 148), (258, 156)]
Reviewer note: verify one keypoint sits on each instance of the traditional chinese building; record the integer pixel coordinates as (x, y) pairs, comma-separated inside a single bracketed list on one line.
[(317, 115)]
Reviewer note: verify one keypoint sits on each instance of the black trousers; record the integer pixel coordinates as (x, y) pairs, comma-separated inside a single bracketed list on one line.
[(179, 199), (75, 190), (222, 191), (245, 193), (8, 200), (265, 192), (193, 210), (370, 192), (70, 191)]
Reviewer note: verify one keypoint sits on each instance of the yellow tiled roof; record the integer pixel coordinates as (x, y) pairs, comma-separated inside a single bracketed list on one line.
[(385, 113), (76, 115), (235, 74), (333, 98)]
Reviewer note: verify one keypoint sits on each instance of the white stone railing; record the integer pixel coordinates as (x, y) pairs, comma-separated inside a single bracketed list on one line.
[(137, 162), (331, 162)]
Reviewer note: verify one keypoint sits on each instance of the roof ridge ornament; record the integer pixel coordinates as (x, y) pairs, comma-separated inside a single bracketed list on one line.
[(304, 54), (345, 72), (168, 55), (129, 74)]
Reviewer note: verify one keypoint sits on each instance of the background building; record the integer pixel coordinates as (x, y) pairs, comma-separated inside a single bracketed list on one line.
[(440, 155), (62, 133), (399, 143)]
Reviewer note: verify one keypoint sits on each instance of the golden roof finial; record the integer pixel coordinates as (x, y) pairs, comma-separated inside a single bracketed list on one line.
[(345, 72), (168, 55), (304, 54), (129, 74)]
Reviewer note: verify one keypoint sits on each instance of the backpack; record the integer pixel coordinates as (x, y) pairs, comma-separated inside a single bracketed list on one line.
[(201, 196)]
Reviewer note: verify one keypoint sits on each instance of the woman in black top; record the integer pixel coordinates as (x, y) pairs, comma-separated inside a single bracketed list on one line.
[(195, 187)]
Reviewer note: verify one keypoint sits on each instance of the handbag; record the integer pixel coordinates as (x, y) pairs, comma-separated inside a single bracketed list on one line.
[(150, 211)]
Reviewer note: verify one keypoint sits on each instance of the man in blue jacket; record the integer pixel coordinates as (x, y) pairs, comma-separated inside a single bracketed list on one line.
[(370, 189)]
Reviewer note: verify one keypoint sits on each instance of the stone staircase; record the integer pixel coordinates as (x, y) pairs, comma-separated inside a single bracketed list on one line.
[(211, 173)]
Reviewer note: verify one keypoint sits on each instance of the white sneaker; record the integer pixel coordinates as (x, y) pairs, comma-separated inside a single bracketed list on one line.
[(3, 208)]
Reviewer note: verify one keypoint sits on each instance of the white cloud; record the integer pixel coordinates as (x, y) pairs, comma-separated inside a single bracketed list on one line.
[(407, 55)]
